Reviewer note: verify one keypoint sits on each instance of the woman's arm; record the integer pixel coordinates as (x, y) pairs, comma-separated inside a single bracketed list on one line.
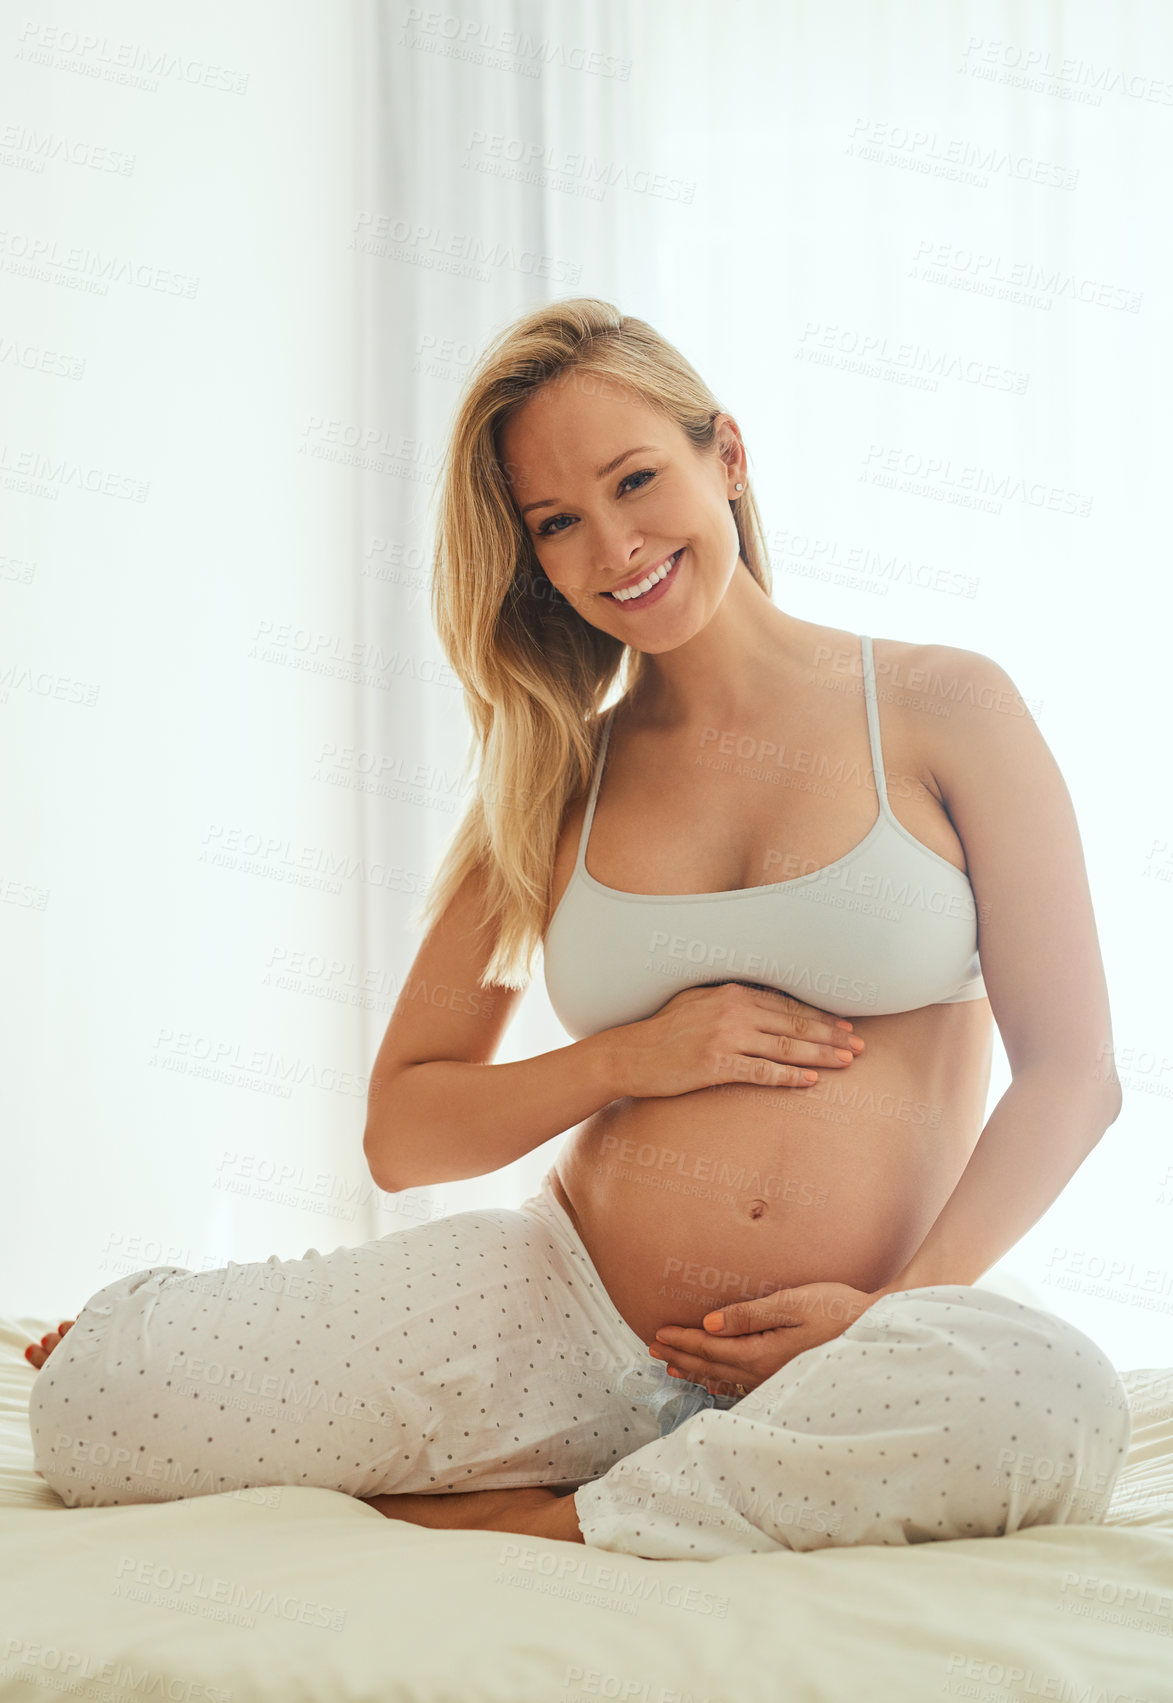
[(1036, 1138), (1041, 963), (447, 1118), (437, 1109)]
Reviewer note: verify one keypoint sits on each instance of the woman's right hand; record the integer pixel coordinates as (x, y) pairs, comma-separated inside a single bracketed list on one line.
[(729, 1032)]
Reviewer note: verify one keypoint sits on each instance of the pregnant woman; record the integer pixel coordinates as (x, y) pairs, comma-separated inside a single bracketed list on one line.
[(738, 1314)]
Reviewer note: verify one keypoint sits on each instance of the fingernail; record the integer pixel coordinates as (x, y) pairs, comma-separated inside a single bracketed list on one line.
[(714, 1321), (28, 1353)]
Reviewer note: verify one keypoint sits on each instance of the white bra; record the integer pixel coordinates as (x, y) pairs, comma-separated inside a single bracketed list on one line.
[(890, 926)]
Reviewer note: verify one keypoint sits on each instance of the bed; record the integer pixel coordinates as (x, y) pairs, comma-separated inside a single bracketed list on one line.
[(287, 1593)]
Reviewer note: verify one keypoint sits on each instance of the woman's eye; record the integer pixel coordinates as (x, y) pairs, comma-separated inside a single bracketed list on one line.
[(643, 474), (648, 472)]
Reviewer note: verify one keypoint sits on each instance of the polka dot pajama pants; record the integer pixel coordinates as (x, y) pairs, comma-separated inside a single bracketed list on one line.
[(481, 1351)]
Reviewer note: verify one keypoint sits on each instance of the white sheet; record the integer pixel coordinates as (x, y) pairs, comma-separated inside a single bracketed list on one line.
[(286, 1594)]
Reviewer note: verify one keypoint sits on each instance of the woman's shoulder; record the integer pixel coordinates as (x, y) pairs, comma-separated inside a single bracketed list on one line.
[(907, 661), (950, 673)]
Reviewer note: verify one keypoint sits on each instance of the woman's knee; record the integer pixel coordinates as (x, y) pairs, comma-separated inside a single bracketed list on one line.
[(1071, 1442), (1050, 1416), (1043, 1413)]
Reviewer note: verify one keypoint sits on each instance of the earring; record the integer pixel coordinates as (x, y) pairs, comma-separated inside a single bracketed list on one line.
[(737, 487)]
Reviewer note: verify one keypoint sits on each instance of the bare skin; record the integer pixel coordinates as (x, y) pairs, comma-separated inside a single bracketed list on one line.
[(741, 760), (534, 1511), (37, 1353), (691, 1202)]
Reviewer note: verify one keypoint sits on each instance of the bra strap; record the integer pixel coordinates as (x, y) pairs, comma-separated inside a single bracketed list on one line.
[(585, 834), (869, 685)]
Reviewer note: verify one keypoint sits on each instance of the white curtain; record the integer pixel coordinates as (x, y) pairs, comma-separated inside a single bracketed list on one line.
[(920, 252)]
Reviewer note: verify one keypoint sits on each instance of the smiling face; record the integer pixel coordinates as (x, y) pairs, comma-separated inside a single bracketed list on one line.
[(610, 492)]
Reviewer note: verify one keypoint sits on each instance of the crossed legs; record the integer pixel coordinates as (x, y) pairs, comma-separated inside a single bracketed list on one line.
[(943, 1412), (474, 1355)]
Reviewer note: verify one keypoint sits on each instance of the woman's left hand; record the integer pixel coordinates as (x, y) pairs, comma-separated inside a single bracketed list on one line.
[(746, 1342)]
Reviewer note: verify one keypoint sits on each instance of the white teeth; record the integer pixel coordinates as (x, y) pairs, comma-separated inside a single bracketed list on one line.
[(645, 584)]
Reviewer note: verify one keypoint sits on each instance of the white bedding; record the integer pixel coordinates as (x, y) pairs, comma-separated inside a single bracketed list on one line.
[(287, 1594)]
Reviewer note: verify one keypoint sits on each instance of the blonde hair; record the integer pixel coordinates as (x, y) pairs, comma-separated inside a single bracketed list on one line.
[(535, 672)]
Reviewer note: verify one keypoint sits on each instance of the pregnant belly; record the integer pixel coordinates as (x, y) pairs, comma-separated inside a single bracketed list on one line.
[(732, 1192)]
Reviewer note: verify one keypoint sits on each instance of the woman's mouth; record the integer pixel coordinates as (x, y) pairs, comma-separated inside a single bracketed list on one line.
[(640, 595)]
